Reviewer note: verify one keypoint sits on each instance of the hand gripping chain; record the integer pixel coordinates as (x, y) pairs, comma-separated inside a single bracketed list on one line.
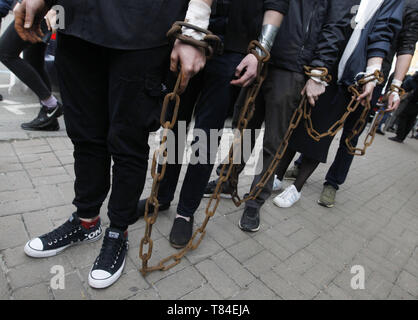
[(211, 44), (361, 122)]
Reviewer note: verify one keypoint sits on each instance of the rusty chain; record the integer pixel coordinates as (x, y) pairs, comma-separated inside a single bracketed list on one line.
[(228, 171), (361, 123), (161, 153)]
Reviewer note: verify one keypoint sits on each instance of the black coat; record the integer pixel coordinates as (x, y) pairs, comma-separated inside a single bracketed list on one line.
[(313, 33), (246, 19), (408, 36)]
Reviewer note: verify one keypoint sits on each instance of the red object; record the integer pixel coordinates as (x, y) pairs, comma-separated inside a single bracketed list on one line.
[(54, 36)]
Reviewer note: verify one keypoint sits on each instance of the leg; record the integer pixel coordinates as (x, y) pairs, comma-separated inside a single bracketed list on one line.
[(11, 45), (308, 166), (83, 81), (135, 92)]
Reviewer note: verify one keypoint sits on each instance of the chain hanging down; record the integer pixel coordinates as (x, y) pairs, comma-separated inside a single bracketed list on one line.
[(211, 44)]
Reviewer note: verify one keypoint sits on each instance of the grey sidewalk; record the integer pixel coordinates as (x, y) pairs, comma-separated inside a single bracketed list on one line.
[(305, 252)]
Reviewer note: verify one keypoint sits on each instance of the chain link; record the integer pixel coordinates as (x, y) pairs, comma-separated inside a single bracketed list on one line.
[(229, 170), (160, 155)]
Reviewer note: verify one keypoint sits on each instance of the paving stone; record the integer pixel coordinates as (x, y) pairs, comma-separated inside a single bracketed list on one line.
[(233, 269), (280, 286), (205, 292), (12, 232), (218, 279), (74, 289), (178, 285), (245, 250), (256, 290), (409, 283), (36, 292)]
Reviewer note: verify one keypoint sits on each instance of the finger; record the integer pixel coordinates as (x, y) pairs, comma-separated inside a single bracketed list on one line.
[(303, 91), (311, 101), (184, 81), (174, 61), (240, 69), (29, 16), (243, 80)]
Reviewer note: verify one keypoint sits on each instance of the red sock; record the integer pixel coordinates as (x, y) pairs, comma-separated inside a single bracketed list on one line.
[(90, 224)]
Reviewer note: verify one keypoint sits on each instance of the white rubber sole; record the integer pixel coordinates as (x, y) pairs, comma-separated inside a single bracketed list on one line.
[(246, 230), (33, 253), (278, 204), (105, 283)]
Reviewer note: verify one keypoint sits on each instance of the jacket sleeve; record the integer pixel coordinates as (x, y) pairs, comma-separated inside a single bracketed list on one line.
[(281, 6), (333, 37), (5, 7), (386, 28), (408, 37)]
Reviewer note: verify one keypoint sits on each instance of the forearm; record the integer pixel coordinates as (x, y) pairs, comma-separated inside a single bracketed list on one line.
[(271, 24), (198, 14), (402, 66), (272, 17)]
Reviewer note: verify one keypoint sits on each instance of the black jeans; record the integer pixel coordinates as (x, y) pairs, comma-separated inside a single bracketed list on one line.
[(31, 69), (111, 100), (209, 95), (407, 120)]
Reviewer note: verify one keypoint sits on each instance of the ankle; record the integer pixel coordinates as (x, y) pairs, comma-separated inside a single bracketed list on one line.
[(89, 223)]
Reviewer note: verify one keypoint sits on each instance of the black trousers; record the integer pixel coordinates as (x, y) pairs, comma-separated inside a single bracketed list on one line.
[(111, 99), (407, 120), (31, 69), (209, 96)]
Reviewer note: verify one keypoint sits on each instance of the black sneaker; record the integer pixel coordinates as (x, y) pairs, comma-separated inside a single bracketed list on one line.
[(45, 118), (226, 190), (181, 232), (109, 265), (250, 220), (1, 97), (378, 131), (396, 139), (140, 209), (70, 233)]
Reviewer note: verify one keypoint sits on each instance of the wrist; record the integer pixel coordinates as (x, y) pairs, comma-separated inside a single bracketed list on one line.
[(198, 14), (316, 76), (267, 37)]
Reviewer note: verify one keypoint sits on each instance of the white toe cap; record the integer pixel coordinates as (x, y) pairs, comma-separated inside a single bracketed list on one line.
[(100, 275), (36, 244)]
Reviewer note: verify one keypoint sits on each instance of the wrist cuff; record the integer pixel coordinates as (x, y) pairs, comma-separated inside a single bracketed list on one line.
[(198, 14)]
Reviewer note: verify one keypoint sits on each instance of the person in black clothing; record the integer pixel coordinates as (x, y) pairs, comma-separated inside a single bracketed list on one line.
[(209, 96), (5, 7), (312, 33), (408, 116), (31, 71), (112, 58)]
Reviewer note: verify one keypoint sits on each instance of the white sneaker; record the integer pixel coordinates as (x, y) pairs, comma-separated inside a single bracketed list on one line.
[(277, 184), (288, 197)]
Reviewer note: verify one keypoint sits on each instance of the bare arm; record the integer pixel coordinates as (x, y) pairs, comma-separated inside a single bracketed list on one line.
[(373, 64), (402, 66)]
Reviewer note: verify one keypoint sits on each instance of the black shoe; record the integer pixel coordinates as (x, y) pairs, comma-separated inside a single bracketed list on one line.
[(226, 189), (1, 97), (109, 264), (140, 209), (45, 118), (396, 139), (181, 232), (378, 131), (250, 220), (70, 233)]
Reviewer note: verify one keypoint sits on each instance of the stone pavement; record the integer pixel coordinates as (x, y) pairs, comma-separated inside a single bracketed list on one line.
[(305, 252)]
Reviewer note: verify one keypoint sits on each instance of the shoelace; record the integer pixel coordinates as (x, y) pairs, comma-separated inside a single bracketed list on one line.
[(110, 252), (63, 231)]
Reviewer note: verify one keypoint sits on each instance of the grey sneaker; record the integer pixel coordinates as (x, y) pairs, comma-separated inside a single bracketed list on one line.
[(327, 198), (292, 173)]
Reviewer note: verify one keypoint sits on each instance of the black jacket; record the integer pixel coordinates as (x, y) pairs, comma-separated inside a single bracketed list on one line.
[(376, 39), (408, 36), (313, 33), (246, 19), (122, 24)]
